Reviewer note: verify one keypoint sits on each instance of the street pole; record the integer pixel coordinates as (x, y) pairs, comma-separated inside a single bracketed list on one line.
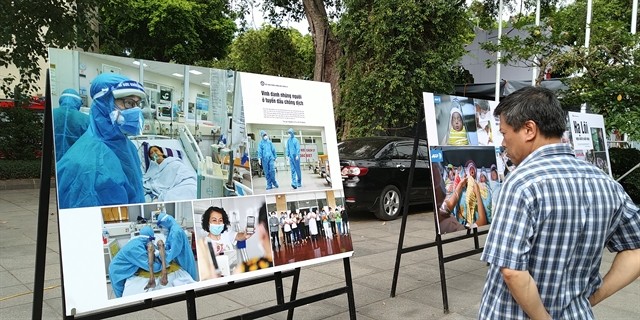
[(534, 73), (587, 37), (499, 54)]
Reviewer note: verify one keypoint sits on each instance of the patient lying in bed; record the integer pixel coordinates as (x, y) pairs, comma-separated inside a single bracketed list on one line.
[(168, 178)]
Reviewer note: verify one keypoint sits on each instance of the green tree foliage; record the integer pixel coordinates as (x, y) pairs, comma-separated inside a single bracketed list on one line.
[(20, 134), (327, 49), (273, 51), (180, 31), (604, 76), (30, 27), (609, 83), (394, 51)]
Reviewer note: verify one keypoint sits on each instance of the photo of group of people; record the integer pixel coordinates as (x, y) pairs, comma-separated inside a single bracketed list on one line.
[(467, 183), (468, 165), (307, 226)]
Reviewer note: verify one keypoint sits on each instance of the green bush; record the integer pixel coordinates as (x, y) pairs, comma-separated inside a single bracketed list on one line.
[(622, 160), (21, 169), (20, 134)]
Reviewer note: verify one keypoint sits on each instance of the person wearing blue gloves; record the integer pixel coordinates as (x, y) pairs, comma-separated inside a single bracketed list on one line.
[(69, 123), (103, 167), (177, 245), (137, 254), (267, 159), (293, 153)]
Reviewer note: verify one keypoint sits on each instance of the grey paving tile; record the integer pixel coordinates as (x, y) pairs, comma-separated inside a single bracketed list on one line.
[(24, 311), (15, 296), (375, 244), (7, 279), (400, 308)]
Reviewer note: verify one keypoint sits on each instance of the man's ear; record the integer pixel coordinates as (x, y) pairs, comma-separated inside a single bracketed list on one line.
[(530, 130)]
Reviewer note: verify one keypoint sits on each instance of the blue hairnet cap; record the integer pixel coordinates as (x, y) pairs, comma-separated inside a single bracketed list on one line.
[(105, 83), (147, 231), (290, 130), (165, 220), (262, 133), (70, 98), (129, 88)]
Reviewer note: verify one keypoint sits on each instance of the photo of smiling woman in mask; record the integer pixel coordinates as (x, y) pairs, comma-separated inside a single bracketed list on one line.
[(102, 167), (223, 240)]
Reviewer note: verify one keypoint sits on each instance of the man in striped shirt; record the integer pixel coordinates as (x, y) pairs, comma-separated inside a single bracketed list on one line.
[(554, 216)]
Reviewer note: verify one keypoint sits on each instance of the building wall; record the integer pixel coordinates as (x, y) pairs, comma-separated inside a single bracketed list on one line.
[(474, 60)]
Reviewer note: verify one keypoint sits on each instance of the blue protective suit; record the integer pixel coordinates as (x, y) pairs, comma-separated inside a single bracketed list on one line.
[(267, 155), (103, 166), (68, 122), (293, 152), (132, 257), (177, 245)]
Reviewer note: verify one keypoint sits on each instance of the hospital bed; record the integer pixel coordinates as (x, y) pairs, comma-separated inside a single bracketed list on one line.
[(214, 179)]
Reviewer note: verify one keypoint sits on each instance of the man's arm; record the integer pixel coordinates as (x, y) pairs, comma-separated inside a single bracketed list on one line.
[(624, 270), (525, 291)]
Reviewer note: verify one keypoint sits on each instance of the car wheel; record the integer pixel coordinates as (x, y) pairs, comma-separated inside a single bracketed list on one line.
[(389, 203)]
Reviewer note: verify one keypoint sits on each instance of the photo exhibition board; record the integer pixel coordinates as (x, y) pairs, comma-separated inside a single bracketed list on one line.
[(134, 183), (464, 142), (587, 135)]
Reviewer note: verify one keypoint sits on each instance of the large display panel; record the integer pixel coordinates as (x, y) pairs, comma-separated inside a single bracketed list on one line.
[(145, 149), (587, 136), (467, 163)]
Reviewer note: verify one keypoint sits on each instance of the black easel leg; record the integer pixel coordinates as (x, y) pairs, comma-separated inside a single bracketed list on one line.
[(476, 241), (279, 288), (191, 305), (43, 209), (405, 204), (350, 296), (443, 278), (294, 291)]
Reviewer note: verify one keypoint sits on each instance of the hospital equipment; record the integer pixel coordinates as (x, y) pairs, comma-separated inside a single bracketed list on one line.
[(213, 180)]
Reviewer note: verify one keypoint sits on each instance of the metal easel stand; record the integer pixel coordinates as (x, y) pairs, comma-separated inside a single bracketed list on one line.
[(474, 233)]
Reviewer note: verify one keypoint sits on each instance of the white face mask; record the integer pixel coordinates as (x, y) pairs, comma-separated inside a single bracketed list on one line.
[(265, 137)]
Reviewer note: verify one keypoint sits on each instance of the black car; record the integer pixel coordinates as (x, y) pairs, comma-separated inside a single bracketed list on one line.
[(375, 172)]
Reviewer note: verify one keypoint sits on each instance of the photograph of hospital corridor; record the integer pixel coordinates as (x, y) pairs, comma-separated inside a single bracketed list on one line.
[(288, 158), (304, 226), (148, 247), (164, 129)]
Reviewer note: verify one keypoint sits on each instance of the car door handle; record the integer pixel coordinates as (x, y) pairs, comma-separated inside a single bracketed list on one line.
[(401, 167)]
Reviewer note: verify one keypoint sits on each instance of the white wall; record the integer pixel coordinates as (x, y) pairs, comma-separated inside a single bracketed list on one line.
[(474, 60)]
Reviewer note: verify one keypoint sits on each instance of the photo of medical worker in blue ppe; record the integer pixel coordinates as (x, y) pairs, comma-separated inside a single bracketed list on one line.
[(134, 257), (293, 153), (267, 159), (69, 123), (103, 166), (177, 246)]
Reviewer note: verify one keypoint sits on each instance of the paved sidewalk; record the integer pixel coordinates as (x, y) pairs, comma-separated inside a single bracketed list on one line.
[(375, 243)]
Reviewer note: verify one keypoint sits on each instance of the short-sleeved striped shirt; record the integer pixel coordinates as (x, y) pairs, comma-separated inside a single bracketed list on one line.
[(553, 217)]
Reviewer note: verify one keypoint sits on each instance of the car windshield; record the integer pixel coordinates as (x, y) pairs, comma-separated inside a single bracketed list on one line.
[(360, 148)]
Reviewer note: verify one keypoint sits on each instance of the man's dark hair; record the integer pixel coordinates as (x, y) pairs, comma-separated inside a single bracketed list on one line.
[(537, 104), (158, 147), (207, 215), (262, 216)]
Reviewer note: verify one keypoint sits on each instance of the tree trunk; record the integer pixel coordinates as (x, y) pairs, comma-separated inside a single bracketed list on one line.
[(327, 48)]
